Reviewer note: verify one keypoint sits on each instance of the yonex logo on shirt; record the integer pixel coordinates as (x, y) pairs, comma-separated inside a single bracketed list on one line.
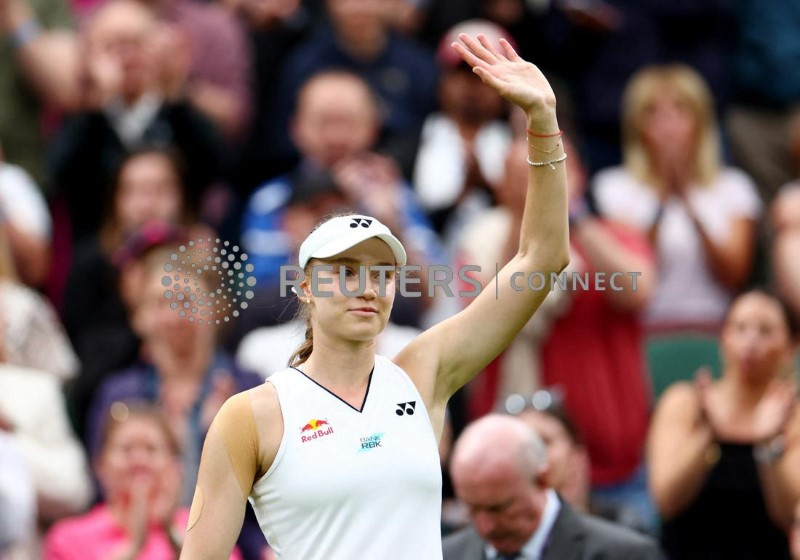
[(406, 408)]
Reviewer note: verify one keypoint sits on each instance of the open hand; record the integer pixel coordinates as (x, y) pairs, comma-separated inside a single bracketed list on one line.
[(515, 79)]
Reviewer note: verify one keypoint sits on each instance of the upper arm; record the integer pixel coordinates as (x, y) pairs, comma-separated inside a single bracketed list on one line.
[(228, 469), (448, 355), (675, 414)]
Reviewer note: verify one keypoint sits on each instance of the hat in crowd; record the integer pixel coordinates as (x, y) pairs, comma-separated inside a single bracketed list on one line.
[(147, 236), (446, 54), (340, 233)]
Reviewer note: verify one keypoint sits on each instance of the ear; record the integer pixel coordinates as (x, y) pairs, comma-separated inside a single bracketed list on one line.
[(542, 478), (305, 292)]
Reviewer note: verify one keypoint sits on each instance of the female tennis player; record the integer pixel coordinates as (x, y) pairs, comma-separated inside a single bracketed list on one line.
[(338, 453)]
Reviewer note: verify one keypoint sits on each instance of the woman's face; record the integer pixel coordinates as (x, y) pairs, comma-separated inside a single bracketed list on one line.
[(560, 447), (137, 453), (668, 127), (157, 319), (149, 189), (755, 339), (352, 318)]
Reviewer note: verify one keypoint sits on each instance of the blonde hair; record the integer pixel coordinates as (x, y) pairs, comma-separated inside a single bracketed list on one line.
[(302, 353), (690, 89)]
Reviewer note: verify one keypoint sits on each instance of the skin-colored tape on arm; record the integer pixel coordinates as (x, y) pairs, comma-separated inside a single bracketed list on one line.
[(237, 427)]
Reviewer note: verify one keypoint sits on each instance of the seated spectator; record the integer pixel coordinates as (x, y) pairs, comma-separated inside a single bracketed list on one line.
[(182, 368), (724, 456), (700, 216), (149, 189), (785, 218), (140, 516), (336, 126), (500, 471), (32, 413), (26, 222), (359, 39), (31, 334), (131, 101), (612, 418), (463, 145), (17, 497)]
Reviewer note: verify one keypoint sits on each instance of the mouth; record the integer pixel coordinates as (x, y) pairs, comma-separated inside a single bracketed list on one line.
[(366, 311)]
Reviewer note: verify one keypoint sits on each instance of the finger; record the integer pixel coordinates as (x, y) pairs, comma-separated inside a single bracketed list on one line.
[(703, 377), (478, 49), (509, 51), (487, 44), (488, 78), (467, 55)]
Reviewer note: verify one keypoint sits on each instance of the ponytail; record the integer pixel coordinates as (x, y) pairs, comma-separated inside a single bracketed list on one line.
[(304, 351)]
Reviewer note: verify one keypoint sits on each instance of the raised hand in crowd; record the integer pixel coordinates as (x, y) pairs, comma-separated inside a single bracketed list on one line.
[(48, 58), (151, 501)]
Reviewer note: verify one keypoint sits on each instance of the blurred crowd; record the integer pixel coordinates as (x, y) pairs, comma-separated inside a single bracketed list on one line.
[(129, 128)]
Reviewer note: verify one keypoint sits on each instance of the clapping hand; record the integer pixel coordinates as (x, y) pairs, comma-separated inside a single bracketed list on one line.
[(774, 410)]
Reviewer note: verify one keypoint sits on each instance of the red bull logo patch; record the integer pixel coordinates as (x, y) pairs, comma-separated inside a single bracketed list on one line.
[(315, 429)]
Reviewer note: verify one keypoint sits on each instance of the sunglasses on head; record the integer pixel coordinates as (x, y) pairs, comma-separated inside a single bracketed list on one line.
[(543, 400)]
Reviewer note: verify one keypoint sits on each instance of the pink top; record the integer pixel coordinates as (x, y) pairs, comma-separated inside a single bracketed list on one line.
[(96, 536)]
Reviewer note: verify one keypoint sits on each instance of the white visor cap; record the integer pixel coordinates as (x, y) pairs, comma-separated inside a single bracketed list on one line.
[(339, 234)]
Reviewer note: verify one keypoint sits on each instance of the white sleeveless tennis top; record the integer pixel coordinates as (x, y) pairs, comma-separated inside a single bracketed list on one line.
[(349, 484)]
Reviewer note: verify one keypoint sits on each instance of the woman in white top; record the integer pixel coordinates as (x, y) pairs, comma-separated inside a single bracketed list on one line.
[(338, 453), (701, 216)]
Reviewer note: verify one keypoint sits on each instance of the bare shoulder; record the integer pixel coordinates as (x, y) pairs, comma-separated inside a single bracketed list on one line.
[(419, 360), (266, 412), (679, 402)]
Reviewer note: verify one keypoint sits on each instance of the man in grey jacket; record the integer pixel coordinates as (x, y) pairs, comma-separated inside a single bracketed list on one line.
[(499, 470)]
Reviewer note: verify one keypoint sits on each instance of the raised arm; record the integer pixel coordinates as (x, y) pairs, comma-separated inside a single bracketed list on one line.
[(448, 355)]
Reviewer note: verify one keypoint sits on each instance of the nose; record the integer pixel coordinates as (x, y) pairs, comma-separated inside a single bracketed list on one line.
[(483, 523), (371, 287)]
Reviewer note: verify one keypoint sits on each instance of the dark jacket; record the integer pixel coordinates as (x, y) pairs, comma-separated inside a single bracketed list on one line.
[(575, 536)]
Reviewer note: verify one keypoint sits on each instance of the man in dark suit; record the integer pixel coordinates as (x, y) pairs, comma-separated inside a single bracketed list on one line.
[(499, 470)]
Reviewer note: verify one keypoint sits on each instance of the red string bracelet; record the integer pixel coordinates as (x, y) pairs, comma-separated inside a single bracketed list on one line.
[(559, 133)]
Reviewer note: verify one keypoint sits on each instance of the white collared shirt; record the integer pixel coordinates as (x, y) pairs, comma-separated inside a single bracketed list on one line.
[(532, 550), (130, 122)]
